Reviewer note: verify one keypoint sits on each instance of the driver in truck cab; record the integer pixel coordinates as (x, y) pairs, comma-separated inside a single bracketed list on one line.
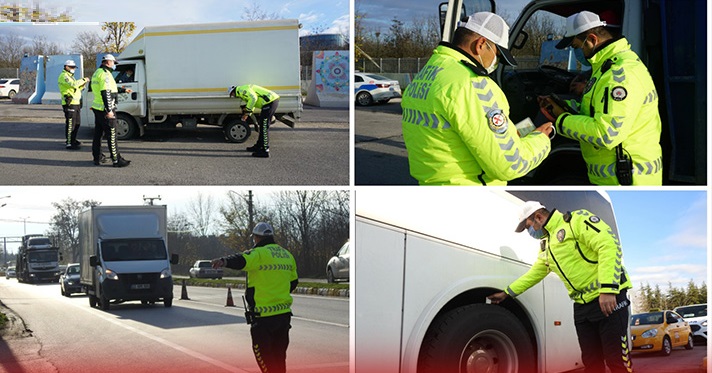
[(455, 120), (618, 125)]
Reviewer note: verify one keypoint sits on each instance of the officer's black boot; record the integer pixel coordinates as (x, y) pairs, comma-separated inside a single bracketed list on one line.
[(121, 162), (261, 153), (252, 148)]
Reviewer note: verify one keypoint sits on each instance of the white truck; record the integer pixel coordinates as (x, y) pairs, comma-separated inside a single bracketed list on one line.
[(425, 261), (124, 255), (181, 75)]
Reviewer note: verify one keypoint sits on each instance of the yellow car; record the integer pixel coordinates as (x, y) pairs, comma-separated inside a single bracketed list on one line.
[(660, 331)]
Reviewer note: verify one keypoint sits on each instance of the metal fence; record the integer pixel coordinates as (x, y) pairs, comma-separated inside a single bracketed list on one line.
[(9, 72)]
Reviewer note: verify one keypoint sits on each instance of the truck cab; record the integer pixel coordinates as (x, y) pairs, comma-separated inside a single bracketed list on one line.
[(675, 57)]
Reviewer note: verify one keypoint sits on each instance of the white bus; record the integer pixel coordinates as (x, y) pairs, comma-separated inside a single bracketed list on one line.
[(425, 261)]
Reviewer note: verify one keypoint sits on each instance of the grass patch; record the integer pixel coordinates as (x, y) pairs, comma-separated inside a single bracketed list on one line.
[(235, 283), (3, 320)]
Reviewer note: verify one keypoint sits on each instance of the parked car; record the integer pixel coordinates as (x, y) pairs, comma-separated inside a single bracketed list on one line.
[(9, 87), (10, 272), (660, 331), (69, 280), (204, 269), (696, 316), (372, 88), (337, 269)]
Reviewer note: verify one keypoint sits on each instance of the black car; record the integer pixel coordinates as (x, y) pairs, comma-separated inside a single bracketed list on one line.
[(69, 280)]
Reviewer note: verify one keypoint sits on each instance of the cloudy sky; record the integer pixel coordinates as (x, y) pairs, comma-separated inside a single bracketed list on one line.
[(324, 16)]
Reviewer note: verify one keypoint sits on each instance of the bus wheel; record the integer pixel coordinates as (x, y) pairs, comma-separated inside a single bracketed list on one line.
[(477, 338)]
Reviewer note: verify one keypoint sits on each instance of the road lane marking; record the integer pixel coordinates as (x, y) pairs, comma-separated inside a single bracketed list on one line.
[(162, 341)]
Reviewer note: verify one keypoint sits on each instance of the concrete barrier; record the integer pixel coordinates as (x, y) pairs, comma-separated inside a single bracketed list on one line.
[(32, 81), (329, 86)]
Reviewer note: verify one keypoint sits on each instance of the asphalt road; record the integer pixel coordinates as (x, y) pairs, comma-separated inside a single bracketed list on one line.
[(196, 335), (315, 152), (380, 156)]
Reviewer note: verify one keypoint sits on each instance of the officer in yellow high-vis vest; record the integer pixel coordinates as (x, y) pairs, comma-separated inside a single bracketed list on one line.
[(455, 120), (586, 255), (106, 96), (261, 98), (271, 277), (70, 89), (619, 125)]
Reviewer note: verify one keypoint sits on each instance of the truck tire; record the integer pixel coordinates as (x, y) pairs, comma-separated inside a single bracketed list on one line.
[(167, 302), (237, 131), (104, 303), (126, 127), (477, 338), (92, 301)]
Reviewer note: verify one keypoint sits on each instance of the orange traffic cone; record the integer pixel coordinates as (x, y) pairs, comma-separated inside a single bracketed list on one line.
[(229, 302), (184, 292)]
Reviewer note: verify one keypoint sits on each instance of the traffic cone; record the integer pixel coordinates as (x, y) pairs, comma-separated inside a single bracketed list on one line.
[(229, 302), (184, 292)]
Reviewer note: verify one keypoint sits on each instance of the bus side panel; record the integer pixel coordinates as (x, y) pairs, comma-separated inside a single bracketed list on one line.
[(379, 255), (561, 337)]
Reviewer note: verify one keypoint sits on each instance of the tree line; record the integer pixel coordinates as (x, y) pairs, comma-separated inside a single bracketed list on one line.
[(312, 225), (647, 298)]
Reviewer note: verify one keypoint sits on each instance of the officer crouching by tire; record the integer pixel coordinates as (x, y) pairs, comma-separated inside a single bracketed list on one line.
[(271, 277), (267, 101)]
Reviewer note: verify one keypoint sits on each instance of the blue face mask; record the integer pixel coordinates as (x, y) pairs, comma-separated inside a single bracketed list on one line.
[(537, 234)]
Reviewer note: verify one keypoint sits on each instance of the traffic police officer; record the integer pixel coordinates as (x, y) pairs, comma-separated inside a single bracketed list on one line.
[(267, 101), (586, 255), (455, 118), (619, 124), (106, 95), (71, 91), (271, 277)]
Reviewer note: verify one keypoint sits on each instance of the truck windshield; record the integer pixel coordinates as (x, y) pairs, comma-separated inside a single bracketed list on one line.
[(42, 256), (692, 311), (137, 249), (39, 241)]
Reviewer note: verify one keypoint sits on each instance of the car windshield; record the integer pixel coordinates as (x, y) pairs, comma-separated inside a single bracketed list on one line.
[(204, 265), (73, 270), (124, 250), (3, 81), (647, 319), (692, 311)]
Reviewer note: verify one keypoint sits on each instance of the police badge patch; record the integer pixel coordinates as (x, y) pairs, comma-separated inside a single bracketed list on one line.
[(594, 219), (619, 93), (497, 121), (560, 235), (589, 85)]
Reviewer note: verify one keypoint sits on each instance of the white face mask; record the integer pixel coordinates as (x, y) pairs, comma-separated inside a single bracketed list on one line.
[(71, 70), (493, 65)]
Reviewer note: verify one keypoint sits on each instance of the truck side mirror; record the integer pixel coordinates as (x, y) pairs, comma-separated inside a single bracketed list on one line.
[(92, 261), (174, 258)]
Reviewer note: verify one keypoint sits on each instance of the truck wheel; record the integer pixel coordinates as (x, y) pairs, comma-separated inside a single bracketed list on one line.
[(237, 131), (104, 302), (168, 302), (92, 301), (477, 338), (126, 127)]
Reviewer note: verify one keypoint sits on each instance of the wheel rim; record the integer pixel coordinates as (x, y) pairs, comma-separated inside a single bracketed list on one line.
[(489, 351), (122, 128), (238, 132), (363, 99), (667, 346)]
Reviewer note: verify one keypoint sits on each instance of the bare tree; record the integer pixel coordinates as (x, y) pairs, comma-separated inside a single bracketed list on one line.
[(41, 46), (254, 12), (64, 226), (238, 222), (201, 211), (89, 44), (11, 46), (117, 35)]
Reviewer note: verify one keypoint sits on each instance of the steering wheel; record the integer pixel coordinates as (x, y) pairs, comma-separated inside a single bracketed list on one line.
[(557, 74)]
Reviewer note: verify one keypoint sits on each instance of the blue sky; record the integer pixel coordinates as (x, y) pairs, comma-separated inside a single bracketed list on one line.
[(665, 235), (325, 16)]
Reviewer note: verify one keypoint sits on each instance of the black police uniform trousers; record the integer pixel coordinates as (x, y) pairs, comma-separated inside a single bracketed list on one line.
[(604, 338), (264, 121), (104, 125), (71, 123), (270, 339)]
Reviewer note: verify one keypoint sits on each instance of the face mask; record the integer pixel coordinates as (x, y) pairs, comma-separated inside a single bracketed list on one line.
[(71, 70), (113, 67), (536, 234), (493, 66), (578, 53)]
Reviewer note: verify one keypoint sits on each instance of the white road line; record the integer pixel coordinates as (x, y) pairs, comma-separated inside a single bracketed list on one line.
[(162, 341)]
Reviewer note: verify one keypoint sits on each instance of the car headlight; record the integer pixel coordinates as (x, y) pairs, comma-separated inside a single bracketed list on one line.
[(704, 323), (111, 275), (166, 273), (649, 333)]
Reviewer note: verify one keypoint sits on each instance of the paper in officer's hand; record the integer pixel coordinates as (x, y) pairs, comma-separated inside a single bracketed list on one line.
[(525, 127)]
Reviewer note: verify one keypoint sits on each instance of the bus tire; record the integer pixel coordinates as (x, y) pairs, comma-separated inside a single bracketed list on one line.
[(477, 338)]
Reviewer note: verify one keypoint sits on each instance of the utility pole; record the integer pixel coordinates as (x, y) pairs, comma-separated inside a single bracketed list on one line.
[(149, 200)]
